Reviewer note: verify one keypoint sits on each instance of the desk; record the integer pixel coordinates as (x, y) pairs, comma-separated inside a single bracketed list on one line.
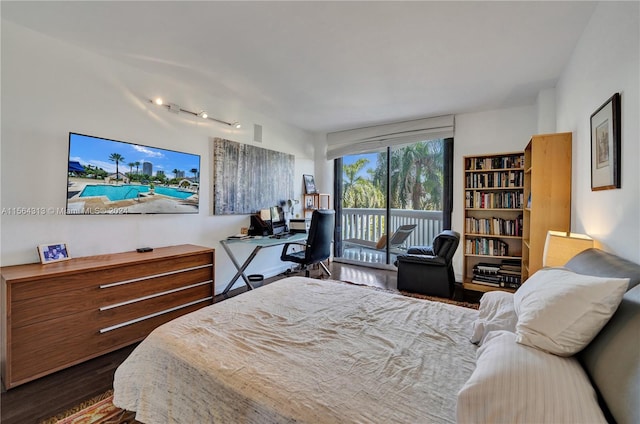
[(259, 244)]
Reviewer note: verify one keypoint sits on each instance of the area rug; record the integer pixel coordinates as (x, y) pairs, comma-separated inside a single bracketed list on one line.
[(98, 410)]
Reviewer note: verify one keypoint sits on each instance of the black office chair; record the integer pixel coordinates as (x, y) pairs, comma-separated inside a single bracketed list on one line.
[(428, 269), (318, 244)]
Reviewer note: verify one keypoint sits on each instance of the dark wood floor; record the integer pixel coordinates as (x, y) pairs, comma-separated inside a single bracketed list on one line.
[(38, 400)]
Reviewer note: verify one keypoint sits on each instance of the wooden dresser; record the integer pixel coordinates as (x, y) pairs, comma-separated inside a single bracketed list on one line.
[(60, 314)]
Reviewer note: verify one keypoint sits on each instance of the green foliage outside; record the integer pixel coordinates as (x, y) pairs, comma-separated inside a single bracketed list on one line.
[(91, 171), (416, 179)]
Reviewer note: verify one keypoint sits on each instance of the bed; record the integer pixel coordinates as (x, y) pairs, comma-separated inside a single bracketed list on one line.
[(318, 351)]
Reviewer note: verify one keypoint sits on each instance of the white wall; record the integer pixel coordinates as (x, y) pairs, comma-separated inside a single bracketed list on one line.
[(546, 107), (605, 61), (497, 131), (50, 88)]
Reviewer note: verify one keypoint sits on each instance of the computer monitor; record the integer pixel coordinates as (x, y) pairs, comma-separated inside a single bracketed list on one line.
[(276, 214)]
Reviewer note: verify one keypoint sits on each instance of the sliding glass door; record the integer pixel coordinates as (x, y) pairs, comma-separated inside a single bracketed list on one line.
[(391, 199)]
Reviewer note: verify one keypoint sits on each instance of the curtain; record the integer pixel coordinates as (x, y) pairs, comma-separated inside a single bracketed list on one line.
[(368, 139)]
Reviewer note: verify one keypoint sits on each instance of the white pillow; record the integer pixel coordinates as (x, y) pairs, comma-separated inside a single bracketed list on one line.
[(513, 383), (496, 312), (560, 311)]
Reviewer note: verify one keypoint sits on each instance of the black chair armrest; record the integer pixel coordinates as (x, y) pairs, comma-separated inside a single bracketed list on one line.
[(422, 259), (285, 248), (421, 250)]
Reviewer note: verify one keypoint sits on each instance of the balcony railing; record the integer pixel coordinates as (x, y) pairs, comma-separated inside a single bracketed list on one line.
[(369, 224)]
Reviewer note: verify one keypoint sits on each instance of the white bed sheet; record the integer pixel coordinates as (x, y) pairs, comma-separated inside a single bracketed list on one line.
[(305, 351)]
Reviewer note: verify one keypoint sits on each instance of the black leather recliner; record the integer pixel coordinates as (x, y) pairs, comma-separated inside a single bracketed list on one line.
[(428, 269)]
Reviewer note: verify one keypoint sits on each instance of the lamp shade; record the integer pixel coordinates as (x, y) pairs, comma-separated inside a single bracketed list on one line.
[(561, 246)]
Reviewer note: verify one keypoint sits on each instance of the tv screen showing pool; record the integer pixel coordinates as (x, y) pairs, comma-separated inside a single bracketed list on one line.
[(110, 177)]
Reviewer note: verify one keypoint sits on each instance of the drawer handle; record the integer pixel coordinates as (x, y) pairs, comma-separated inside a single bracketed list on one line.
[(151, 296), (148, 277), (146, 317)]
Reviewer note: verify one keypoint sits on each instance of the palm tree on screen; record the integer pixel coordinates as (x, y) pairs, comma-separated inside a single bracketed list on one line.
[(131, 165), (194, 171), (117, 158)]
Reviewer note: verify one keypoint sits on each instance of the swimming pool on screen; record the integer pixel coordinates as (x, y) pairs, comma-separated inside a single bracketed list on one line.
[(125, 192)]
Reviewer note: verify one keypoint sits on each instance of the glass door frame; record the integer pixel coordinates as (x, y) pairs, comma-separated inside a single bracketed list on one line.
[(447, 204)]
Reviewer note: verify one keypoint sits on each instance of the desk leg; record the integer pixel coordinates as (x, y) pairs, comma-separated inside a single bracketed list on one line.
[(240, 268)]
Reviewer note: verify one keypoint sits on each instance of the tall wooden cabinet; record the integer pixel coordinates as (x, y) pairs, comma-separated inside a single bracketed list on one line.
[(492, 237), (547, 190), (60, 314)]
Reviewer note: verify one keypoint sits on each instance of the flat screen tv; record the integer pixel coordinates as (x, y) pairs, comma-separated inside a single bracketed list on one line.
[(110, 177)]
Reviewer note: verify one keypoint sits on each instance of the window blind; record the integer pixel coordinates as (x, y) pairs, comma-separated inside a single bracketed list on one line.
[(368, 139)]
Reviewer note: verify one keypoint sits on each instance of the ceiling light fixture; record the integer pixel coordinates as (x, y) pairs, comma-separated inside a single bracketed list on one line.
[(172, 107)]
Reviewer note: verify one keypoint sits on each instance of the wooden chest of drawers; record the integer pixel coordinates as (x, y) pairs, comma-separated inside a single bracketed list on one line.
[(58, 315)]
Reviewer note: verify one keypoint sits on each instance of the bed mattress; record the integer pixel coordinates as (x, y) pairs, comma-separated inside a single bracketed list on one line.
[(305, 351)]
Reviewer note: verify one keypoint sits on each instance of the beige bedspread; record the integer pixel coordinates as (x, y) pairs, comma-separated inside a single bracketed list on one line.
[(304, 351)]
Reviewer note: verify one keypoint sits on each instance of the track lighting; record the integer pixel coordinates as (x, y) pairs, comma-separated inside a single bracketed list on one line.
[(172, 107)]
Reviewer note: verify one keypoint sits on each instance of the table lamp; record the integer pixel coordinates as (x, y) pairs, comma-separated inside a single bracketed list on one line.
[(561, 246)]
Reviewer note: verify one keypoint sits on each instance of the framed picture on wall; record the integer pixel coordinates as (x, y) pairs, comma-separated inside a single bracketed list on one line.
[(606, 145), (309, 184), (53, 252)]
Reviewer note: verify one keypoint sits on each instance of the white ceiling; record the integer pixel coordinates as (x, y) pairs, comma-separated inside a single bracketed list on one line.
[(325, 66)]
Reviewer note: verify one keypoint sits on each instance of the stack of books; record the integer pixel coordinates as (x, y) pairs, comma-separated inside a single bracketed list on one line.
[(487, 274), (511, 272), (506, 274)]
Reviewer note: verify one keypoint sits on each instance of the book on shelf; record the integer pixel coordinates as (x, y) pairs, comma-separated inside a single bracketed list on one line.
[(487, 266), (498, 282), (496, 179), (494, 226), (495, 278), (509, 272), (485, 283), (496, 162), (493, 200), (487, 247)]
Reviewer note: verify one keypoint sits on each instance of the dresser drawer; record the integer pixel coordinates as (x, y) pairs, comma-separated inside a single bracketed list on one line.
[(123, 291), (122, 314), (110, 275), (65, 342), (70, 303)]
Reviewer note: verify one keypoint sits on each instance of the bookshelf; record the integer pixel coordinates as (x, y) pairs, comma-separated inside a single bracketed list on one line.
[(493, 213), (311, 202), (547, 188)]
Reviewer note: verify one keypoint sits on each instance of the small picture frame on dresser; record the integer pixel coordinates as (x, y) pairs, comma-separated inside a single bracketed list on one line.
[(53, 252)]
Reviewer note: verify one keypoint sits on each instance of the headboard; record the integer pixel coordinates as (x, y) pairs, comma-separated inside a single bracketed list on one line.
[(612, 359)]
